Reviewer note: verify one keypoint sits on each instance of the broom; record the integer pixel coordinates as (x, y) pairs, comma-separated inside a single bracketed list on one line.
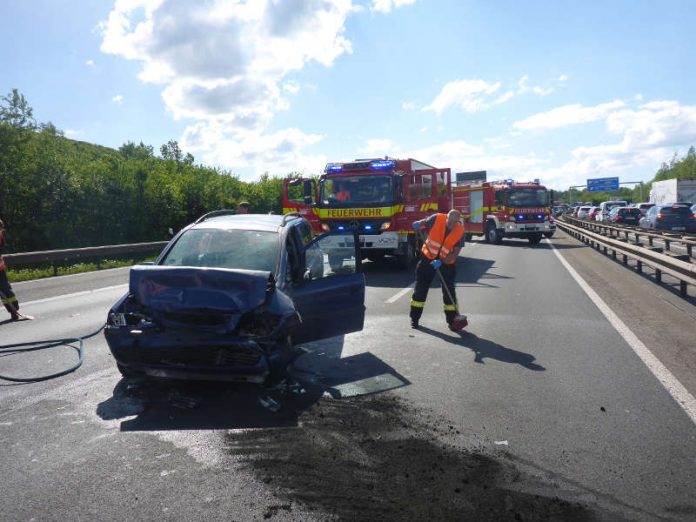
[(460, 321)]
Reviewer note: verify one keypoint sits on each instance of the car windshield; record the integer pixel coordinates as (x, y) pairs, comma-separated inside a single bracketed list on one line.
[(361, 190), (221, 248), (528, 198)]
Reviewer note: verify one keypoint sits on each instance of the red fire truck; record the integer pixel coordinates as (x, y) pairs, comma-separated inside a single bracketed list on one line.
[(380, 197), (507, 208)]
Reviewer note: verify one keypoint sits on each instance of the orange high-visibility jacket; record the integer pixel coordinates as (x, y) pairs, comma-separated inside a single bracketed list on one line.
[(437, 244)]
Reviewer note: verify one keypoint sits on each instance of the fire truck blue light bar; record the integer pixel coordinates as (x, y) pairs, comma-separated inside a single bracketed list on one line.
[(382, 165), (333, 167)]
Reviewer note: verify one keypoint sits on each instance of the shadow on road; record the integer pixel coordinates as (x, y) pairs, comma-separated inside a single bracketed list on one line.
[(485, 349), (161, 404)]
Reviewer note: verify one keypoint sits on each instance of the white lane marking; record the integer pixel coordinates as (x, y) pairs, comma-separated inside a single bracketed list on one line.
[(406, 290), (76, 294), (400, 294), (679, 393)]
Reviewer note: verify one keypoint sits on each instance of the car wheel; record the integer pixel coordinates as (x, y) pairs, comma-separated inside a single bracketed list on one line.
[(492, 234), (129, 372), (534, 239), (548, 234)]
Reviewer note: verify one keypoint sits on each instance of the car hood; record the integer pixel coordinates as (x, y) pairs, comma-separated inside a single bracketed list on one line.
[(210, 299)]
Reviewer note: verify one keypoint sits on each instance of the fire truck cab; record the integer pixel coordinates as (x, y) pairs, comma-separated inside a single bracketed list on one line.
[(379, 197), (506, 208)]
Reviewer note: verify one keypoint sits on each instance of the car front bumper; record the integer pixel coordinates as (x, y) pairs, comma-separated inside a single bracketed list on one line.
[(188, 355)]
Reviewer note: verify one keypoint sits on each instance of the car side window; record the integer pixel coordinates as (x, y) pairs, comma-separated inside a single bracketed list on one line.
[(332, 255)]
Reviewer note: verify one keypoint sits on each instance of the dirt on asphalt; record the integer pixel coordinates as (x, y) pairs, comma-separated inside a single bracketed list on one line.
[(375, 458)]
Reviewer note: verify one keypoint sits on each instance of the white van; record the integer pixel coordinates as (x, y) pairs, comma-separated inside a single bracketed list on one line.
[(606, 206)]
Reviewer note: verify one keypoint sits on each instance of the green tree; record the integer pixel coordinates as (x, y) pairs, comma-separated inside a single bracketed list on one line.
[(16, 112)]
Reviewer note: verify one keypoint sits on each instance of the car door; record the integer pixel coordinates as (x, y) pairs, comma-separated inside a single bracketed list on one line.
[(330, 297)]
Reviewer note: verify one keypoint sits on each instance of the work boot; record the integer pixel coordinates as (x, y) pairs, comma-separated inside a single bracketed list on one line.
[(414, 324)]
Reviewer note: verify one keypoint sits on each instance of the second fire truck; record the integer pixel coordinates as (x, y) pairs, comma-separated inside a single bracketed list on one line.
[(498, 209)]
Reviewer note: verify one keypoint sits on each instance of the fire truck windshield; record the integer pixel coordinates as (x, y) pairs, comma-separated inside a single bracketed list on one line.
[(531, 197), (343, 191)]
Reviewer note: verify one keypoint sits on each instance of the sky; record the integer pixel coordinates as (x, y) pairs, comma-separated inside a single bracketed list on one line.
[(561, 91)]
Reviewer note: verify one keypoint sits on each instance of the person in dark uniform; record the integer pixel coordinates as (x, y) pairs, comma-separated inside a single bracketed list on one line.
[(9, 300), (440, 250)]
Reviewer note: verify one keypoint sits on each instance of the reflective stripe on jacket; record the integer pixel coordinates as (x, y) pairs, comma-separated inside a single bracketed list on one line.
[(437, 244)]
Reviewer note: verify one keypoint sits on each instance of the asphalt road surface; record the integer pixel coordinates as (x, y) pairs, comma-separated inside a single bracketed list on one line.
[(555, 404)]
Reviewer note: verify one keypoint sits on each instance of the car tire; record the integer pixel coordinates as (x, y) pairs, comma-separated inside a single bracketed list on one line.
[(548, 234), (534, 239), (129, 372)]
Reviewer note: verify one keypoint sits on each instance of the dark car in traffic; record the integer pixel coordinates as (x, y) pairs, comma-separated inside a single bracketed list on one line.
[(676, 217), (231, 296), (625, 215)]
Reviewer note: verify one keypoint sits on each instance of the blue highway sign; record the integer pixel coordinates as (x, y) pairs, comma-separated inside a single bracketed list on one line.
[(602, 184)]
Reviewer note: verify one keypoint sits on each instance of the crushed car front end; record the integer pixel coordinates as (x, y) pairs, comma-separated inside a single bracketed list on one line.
[(202, 324)]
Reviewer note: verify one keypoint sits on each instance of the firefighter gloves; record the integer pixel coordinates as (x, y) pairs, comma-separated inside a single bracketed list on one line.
[(436, 263)]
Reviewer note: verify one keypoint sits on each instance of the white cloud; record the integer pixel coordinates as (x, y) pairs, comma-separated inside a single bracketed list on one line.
[(255, 151), (227, 61), (541, 92), (72, 133), (650, 134), (567, 115), (379, 148), (89, 63), (475, 95), (291, 87), (385, 6), (118, 99), (469, 95), (563, 78)]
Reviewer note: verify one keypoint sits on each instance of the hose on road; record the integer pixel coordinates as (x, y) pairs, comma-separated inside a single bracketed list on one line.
[(8, 349)]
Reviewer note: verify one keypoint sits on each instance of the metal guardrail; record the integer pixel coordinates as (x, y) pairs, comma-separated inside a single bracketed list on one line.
[(683, 271), (687, 241), (73, 254)]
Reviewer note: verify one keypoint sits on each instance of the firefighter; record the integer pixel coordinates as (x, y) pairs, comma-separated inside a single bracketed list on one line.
[(9, 300), (342, 193), (243, 207), (440, 250)]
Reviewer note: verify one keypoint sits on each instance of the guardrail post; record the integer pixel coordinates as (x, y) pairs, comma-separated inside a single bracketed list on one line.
[(682, 288), (688, 248), (650, 240), (625, 259), (639, 266), (658, 275)]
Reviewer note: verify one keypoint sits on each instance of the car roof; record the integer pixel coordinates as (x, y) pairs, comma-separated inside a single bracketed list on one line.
[(261, 222)]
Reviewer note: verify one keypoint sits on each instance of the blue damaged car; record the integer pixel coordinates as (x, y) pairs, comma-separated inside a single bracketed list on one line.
[(231, 296)]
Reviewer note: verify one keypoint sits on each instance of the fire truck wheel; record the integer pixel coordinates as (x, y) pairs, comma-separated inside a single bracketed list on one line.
[(492, 234), (534, 239), (408, 258), (467, 237), (335, 262)]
